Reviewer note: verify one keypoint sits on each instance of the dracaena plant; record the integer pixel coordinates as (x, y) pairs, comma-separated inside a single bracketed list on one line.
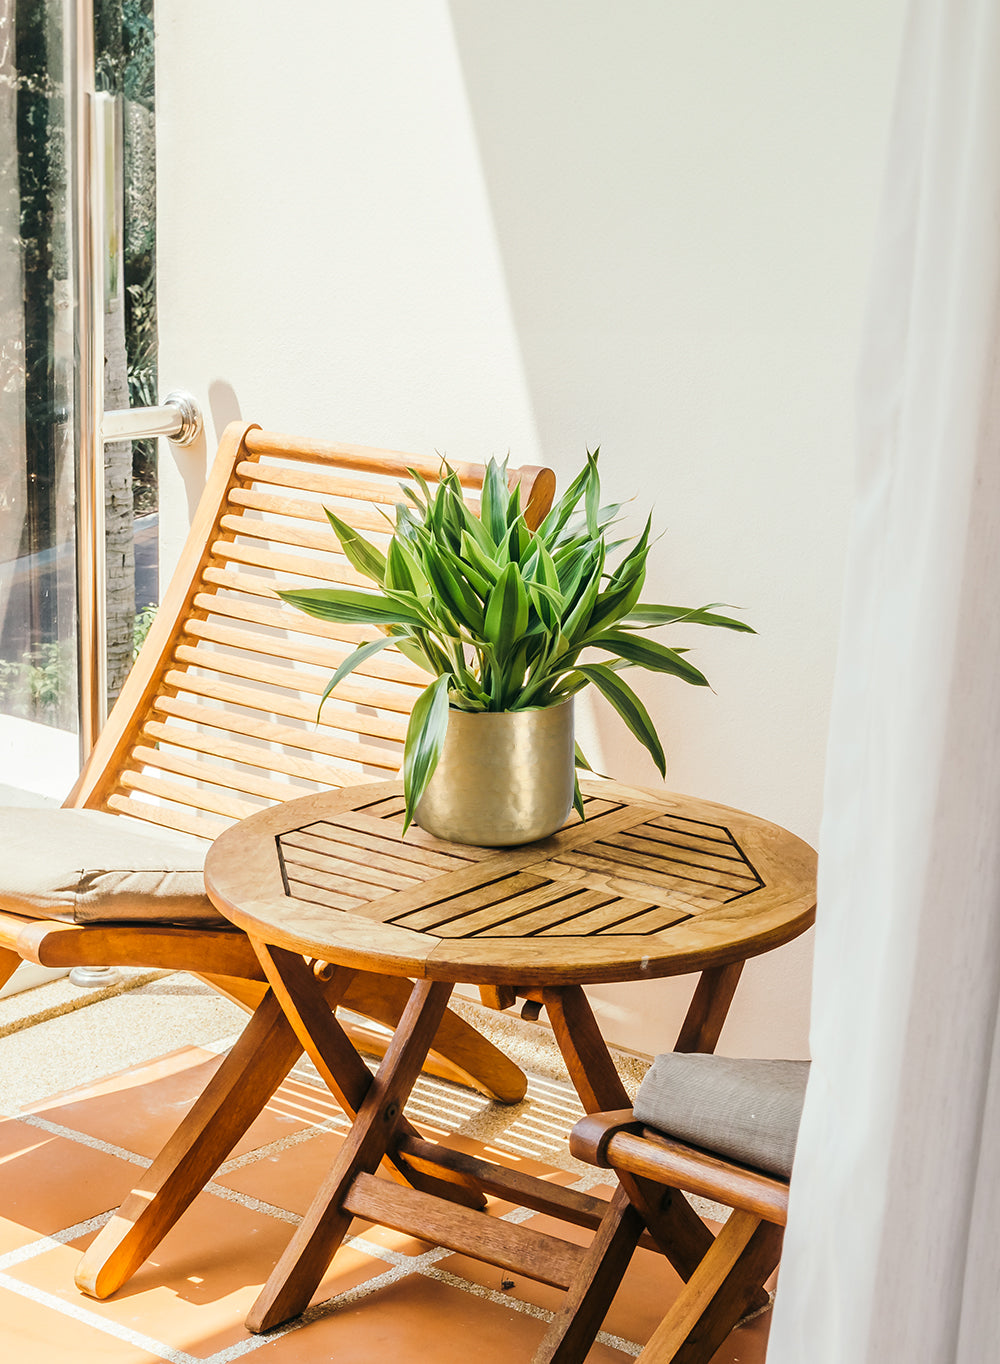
[(505, 617)]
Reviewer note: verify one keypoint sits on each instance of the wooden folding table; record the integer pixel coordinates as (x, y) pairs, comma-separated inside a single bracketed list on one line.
[(650, 885)]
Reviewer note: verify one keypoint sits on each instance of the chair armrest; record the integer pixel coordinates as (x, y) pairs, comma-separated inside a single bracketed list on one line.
[(589, 1139), (651, 1155)]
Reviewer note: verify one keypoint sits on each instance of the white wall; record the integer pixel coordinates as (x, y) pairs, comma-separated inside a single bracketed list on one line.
[(549, 224)]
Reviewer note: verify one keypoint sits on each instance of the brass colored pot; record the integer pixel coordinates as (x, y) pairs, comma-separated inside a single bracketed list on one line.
[(504, 777)]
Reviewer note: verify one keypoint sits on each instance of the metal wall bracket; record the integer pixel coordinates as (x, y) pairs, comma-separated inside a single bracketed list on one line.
[(178, 417)]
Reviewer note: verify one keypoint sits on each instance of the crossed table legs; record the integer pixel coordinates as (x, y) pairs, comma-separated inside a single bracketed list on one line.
[(440, 1192)]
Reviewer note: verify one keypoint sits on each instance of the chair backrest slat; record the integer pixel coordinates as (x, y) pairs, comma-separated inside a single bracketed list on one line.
[(219, 715)]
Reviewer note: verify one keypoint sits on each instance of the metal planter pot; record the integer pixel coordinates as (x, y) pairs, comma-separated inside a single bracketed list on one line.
[(504, 777)]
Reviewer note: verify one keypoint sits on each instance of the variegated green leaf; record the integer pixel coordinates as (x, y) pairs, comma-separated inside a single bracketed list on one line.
[(648, 616), (493, 506), (354, 660), (425, 736), (629, 707), (358, 552), (403, 571), (506, 612), (647, 653), (344, 606)]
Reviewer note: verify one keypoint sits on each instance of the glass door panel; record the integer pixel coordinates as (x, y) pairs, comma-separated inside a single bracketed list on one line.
[(38, 667), (47, 66)]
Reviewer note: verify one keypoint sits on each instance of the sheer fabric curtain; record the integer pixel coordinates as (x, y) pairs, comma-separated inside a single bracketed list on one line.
[(892, 1252)]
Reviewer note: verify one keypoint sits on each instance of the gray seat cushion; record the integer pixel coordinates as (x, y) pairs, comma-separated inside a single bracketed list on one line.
[(84, 866), (746, 1111)]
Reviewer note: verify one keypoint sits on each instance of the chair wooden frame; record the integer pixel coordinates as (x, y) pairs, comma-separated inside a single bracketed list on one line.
[(218, 716), (727, 1281)]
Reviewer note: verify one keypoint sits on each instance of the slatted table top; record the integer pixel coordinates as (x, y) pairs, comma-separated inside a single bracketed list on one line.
[(651, 884)]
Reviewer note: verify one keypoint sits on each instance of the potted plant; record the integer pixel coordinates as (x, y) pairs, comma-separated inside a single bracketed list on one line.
[(511, 623)]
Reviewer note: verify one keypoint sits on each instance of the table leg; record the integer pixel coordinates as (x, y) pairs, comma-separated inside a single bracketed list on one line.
[(674, 1225), (333, 1054), (235, 1096), (708, 1008), (300, 1269)]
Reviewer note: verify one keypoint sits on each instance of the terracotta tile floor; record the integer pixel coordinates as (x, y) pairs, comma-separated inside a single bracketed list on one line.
[(70, 1159)]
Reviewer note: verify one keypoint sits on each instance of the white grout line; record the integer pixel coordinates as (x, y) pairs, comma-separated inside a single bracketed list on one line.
[(47, 1243), (84, 1139), (87, 1318)]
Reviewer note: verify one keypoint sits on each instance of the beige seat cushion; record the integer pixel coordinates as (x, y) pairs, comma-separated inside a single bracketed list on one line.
[(747, 1111), (84, 866)]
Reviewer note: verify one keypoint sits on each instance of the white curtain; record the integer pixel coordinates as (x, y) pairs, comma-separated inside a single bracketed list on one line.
[(892, 1254)]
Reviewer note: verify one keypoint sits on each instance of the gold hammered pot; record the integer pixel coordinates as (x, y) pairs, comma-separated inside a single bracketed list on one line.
[(504, 777)]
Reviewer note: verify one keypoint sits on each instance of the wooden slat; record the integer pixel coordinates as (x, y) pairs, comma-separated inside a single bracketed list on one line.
[(655, 920), (320, 774), (353, 489), (516, 1248), (699, 875), (615, 915), (305, 683), (254, 728), (253, 584), (228, 777), (291, 566), (273, 532), (271, 444), (341, 850), (269, 703), (669, 897), (690, 842), (339, 893), (510, 1184), (730, 872), (281, 617), (696, 828), (367, 832), (171, 817), (609, 866), (297, 509), (295, 854), (195, 797), (389, 665), (516, 915), (302, 890), (442, 911)]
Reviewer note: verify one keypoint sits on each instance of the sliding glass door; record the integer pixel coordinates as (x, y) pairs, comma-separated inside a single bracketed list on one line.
[(45, 92)]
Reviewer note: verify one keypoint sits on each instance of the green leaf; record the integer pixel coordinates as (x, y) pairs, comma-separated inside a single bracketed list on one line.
[(562, 510), (493, 506), (425, 736), (352, 661), (647, 653), (576, 624), (514, 505), (629, 707), (592, 500), (411, 649), (346, 607), (648, 616), (578, 805), (359, 553), (477, 558), (454, 591), (580, 760), (403, 571), (506, 612)]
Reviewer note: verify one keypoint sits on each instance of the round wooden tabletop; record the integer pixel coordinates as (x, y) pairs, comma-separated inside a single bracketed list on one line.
[(651, 884)]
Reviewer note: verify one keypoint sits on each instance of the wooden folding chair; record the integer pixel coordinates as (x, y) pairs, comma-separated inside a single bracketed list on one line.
[(218, 717), (749, 1109)]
